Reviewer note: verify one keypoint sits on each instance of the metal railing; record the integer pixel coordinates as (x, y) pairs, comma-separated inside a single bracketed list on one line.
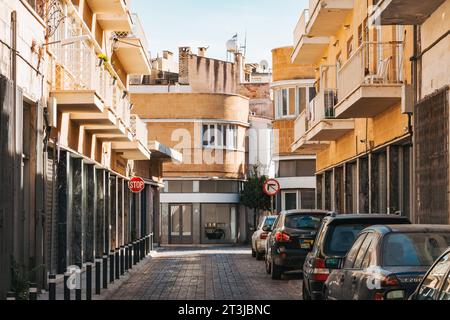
[(300, 28), (80, 69), (121, 106), (139, 129), (322, 106), (373, 63)]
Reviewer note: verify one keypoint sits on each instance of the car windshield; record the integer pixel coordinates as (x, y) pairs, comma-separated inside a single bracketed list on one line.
[(303, 222), (340, 238), (414, 249), (269, 222)]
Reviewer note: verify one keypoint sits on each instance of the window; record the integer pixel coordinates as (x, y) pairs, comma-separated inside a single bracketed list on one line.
[(340, 238), (352, 254), (432, 283), (180, 187), (308, 197), (414, 249), (445, 294), (222, 186), (290, 200), (303, 222), (296, 168), (290, 102), (220, 136), (363, 251)]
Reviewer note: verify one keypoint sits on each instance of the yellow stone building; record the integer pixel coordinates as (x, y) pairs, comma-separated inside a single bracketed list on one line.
[(362, 114), (292, 88), (202, 116)]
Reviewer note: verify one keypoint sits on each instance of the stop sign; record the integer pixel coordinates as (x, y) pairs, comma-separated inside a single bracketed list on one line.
[(136, 185)]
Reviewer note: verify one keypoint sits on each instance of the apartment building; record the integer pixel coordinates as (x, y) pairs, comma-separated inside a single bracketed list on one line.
[(430, 78), (70, 139), (292, 89), (362, 114), (200, 115)]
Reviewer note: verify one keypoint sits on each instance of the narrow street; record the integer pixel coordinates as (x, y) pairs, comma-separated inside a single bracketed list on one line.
[(224, 273)]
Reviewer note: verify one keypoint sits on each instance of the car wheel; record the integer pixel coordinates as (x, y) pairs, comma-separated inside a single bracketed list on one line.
[(259, 256), (277, 271), (268, 267), (305, 293)]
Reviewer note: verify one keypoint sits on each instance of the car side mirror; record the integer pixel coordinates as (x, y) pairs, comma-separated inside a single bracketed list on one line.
[(334, 263), (395, 295), (267, 229)]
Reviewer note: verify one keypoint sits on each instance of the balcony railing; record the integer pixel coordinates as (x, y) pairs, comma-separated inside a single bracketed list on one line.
[(300, 29), (122, 106), (80, 69), (139, 129), (322, 106), (375, 63)]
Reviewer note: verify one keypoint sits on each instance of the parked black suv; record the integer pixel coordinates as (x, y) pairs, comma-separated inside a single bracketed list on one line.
[(335, 237), (291, 238)]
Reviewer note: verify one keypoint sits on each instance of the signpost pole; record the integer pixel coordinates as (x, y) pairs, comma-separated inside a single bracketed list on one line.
[(271, 204)]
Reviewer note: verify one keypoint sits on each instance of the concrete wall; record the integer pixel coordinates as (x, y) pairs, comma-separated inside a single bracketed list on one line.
[(207, 75), (283, 69), (261, 103), (176, 121), (436, 62)]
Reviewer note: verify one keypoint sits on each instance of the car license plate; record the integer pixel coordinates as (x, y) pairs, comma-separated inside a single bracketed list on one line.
[(306, 244)]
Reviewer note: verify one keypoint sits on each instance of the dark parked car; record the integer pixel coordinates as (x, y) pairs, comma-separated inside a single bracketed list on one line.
[(290, 240), (334, 239), (434, 286), (384, 259)]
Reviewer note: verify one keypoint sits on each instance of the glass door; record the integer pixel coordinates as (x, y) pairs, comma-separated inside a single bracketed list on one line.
[(181, 224)]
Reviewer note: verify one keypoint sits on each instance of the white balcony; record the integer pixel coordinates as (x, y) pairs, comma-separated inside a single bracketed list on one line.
[(112, 15), (79, 82), (323, 126), (370, 81), (307, 49), (132, 49), (404, 12), (302, 145), (327, 16)]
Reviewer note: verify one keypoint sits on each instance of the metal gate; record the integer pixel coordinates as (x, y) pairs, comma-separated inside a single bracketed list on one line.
[(432, 158)]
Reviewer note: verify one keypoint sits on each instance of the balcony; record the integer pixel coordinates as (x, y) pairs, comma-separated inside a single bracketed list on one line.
[(137, 148), (323, 125), (79, 83), (327, 16), (404, 12), (308, 49), (302, 145), (112, 15), (370, 81)]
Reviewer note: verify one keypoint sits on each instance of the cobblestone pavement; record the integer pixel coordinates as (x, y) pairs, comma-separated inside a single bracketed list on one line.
[(205, 274)]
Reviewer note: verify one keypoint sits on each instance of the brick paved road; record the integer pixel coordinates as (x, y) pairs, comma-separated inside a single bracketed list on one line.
[(208, 273)]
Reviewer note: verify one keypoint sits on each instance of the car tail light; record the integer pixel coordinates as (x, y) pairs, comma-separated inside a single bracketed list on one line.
[(282, 237), (263, 236), (390, 281), (320, 272), (378, 296)]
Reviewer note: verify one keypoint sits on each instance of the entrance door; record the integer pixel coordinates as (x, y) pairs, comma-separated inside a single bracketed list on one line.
[(181, 224)]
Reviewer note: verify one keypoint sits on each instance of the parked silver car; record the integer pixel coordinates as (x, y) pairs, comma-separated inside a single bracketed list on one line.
[(259, 237)]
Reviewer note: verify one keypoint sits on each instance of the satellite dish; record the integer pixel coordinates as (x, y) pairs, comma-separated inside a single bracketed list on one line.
[(264, 65), (231, 45)]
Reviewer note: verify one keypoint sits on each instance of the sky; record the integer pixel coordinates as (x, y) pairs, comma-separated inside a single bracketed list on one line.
[(170, 24)]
